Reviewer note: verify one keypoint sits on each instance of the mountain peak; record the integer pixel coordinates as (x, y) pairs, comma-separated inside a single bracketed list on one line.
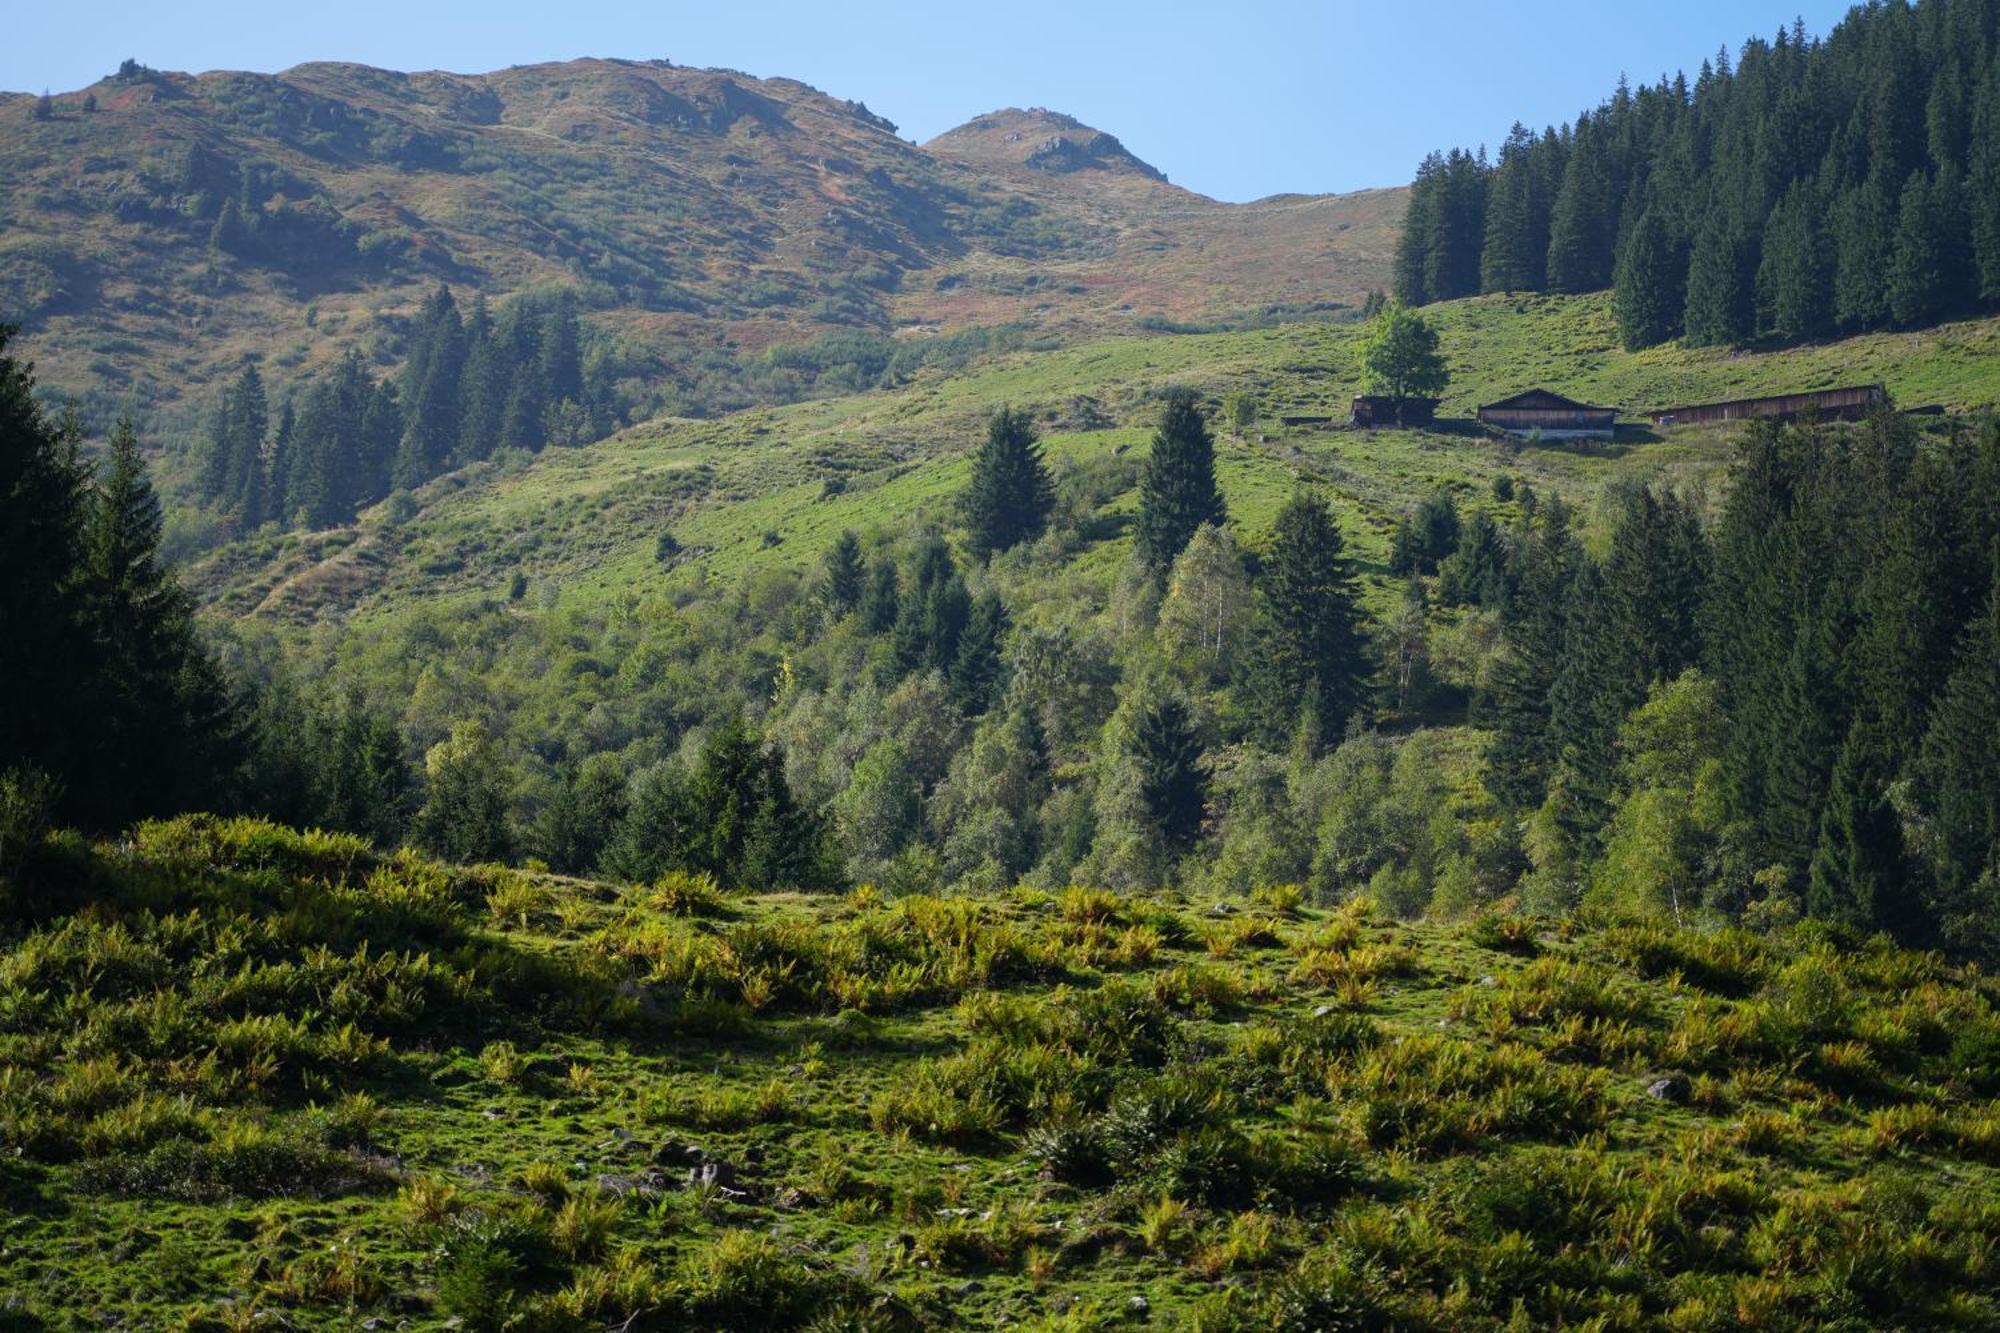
[(1040, 140)]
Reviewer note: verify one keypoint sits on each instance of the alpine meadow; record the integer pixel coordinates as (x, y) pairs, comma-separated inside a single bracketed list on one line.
[(631, 702)]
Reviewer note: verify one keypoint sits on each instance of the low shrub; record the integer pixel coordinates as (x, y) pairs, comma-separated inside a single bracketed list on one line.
[(1728, 961), (745, 1278), (244, 1161)]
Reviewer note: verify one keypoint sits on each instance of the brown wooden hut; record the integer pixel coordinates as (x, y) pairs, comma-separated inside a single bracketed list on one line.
[(1541, 412), (1375, 409), (1848, 404)]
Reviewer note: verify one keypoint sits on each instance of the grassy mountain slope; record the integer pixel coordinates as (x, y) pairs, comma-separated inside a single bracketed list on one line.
[(695, 208), (771, 487), (277, 1076)]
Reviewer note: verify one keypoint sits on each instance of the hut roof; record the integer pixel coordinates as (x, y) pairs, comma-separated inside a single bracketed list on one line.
[(1543, 400)]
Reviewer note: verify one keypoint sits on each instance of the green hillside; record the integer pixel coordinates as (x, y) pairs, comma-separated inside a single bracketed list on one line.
[(272, 1079), (628, 702), (585, 523)]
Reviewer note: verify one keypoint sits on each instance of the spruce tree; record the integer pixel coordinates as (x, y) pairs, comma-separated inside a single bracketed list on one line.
[(1516, 702), (1009, 496), (482, 387), (739, 820), (1422, 223), (1178, 492), (882, 599), (1581, 226), (978, 669), (1920, 273), (1650, 289), (1425, 536), (1514, 257), (433, 390), (560, 349), (278, 467), (845, 575), (1795, 278), (785, 846), (1172, 787), (165, 736), (232, 470), (1982, 192), (1720, 299), (1655, 578), (1458, 227), (1406, 552), (525, 391), (326, 760), (931, 613), (41, 514), (577, 825), (1309, 657), (657, 830), (364, 783), (1956, 790), (1864, 247), (1476, 572), (1857, 873), (1587, 702)]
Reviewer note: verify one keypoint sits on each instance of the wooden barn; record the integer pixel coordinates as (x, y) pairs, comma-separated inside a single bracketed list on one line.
[(1849, 404), (1375, 409), (1538, 411)]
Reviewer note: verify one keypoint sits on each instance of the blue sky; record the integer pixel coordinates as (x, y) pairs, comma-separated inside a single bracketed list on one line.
[(1236, 99)]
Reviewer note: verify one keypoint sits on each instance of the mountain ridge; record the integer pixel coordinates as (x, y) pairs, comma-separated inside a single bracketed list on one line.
[(284, 217)]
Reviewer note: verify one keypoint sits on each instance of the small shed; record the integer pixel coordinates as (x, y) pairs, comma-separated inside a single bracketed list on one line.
[(1847, 404), (1376, 409), (1542, 412)]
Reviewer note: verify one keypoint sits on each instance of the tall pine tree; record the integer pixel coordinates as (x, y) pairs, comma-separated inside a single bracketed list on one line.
[(1721, 305), (1651, 286), (1310, 659), (845, 575), (1795, 277), (41, 510), (1956, 790), (433, 393), (1009, 497), (165, 736), (1172, 787), (1178, 492)]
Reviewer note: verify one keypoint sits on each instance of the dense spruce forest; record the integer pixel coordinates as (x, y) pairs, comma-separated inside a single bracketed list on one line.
[(1806, 188), (470, 385)]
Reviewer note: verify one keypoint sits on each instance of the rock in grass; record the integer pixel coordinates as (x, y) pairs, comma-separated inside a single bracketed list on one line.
[(1670, 1088), (718, 1173), (675, 1153), (649, 1186)]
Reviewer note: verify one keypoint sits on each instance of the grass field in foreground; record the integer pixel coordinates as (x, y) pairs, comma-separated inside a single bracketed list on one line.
[(267, 1079)]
